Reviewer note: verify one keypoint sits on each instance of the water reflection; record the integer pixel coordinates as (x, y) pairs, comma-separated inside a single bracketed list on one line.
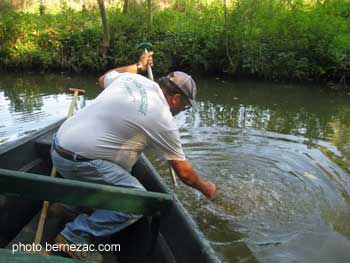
[(29, 102), (296, 110), (279, 153)]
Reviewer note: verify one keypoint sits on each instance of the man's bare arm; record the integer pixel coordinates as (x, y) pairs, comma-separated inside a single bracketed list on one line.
[(145, 59), (190, 177)]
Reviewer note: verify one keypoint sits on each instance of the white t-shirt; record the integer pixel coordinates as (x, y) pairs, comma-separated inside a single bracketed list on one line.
[(129, 114)]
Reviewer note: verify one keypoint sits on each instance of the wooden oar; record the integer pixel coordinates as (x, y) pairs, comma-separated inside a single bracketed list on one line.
[(43, 213), (144, 46)]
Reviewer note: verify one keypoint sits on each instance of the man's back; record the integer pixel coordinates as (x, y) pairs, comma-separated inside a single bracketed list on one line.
[(128, 115)]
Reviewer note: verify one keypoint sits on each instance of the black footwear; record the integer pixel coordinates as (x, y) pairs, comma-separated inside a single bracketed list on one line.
[(88, 256), (62, 211), (67, 213)]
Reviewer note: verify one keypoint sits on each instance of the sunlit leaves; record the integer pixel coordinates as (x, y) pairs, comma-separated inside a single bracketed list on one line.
[(271, 39)]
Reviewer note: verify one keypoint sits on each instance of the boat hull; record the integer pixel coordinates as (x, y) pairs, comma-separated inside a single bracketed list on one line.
[(179, 239)]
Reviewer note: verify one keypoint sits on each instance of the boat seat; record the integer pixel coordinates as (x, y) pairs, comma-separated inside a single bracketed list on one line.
[(85, 194)]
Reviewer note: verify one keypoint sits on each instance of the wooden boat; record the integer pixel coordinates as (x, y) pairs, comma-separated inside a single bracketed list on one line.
[(175, 238)]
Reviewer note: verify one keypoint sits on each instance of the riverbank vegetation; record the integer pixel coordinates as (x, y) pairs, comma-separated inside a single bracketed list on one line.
[(303, 40)]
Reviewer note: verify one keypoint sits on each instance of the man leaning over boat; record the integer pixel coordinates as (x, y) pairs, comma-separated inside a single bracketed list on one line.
[(104, 140)]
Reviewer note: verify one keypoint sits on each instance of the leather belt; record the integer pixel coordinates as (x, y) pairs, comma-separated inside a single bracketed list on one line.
[(66, 154)]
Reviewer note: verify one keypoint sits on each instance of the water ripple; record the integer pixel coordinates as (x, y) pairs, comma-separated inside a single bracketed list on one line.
[(275, 188)]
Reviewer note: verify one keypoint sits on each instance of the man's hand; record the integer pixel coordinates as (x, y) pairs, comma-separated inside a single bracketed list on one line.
[(145, 60), (211, 190)]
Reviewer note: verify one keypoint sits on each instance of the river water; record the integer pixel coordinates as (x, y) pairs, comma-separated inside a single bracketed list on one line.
[(280, 155)]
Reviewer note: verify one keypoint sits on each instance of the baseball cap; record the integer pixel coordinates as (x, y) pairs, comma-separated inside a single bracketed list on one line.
[(185, 83)]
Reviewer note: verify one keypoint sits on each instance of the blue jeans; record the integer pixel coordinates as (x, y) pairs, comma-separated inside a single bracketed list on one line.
[(100, 222)]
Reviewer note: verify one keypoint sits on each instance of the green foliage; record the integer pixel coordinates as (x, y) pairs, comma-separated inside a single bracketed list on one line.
[(271, 39), (291, 40)]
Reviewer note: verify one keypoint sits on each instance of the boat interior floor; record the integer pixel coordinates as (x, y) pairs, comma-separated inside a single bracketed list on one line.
[(134, 242)]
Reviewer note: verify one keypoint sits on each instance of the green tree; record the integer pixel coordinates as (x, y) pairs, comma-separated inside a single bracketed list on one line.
[(106, 40)]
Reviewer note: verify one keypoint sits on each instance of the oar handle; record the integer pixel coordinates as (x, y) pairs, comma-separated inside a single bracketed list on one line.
[(74, 100)]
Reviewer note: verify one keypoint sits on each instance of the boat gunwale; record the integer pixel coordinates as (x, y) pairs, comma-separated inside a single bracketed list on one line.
[(8, 146)]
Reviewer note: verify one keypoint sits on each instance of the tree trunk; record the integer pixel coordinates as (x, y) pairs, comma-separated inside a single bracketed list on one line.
[(126, 6), (83, 4), (227, 49), (150, 15), (42, 7), (106, 35)]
